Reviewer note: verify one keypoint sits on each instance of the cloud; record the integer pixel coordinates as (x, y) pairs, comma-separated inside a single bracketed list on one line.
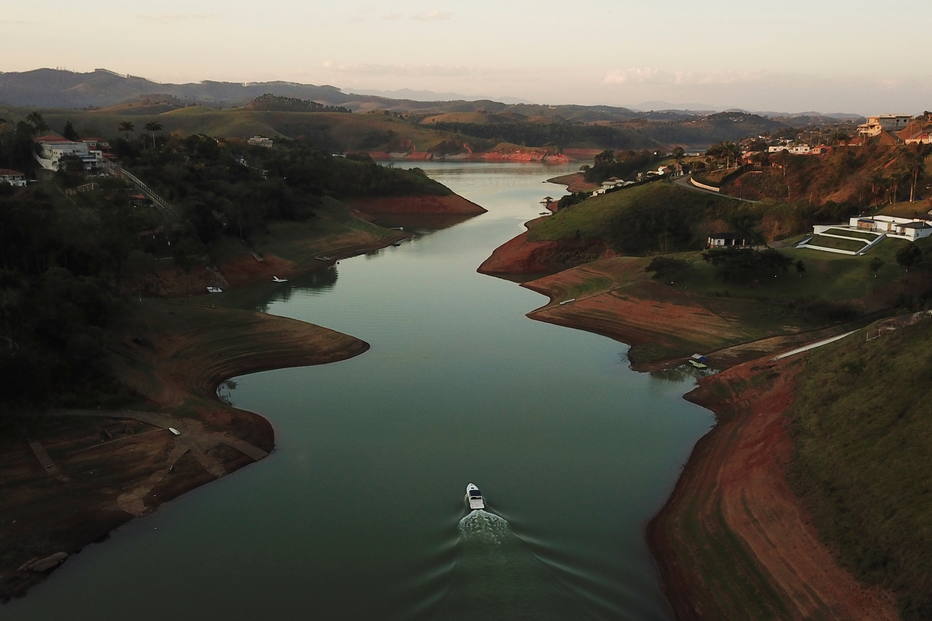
[(654, 76), (175, 18), (432, 16), (435, 71)]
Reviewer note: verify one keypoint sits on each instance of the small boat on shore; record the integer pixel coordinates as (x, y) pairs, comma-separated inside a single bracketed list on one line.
[(474, 498), (214, 290), (698, 361), (277, 279)]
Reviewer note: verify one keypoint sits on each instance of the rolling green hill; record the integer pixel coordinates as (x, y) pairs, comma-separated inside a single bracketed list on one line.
[(862, 426)]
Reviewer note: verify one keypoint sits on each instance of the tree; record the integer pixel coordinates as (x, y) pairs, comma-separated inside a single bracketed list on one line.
[(800, 268), (126, 128), (668, 269), (909, 256), (69, 132), (38, 123), (152, 127), (605, 158), (875, 265)]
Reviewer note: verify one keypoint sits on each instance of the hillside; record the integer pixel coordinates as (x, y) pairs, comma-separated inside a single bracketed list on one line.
[(477, 124), (869, 175), (863, 451)]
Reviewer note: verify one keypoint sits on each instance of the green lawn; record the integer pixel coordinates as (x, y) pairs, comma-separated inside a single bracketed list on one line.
[(834, 242), (849, 233)]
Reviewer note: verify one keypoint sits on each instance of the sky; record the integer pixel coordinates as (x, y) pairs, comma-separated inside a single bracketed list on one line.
[(790, 55)]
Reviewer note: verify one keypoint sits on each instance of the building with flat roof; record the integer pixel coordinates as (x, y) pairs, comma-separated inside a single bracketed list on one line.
[(13, 177), (884, 123)]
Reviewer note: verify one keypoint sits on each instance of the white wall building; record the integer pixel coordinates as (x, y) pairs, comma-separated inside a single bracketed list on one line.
[(13, 177), (892, 226), (884, 123), (53, 148)]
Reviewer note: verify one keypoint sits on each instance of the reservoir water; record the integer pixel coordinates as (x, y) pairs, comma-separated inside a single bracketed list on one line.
[(359, 512)]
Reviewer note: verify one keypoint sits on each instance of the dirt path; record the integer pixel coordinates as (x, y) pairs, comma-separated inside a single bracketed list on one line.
[(733, 541)]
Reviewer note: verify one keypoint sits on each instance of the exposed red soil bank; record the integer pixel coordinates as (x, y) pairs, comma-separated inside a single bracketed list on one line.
[(734, 541), (575, 182), (522, 256), (451, 204), (68, 478)]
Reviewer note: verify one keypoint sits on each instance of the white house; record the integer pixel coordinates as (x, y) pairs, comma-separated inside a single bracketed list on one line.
[(13, 177), (261, 141), (892, 226), (53, 148), (884, 123), (923, 138), (795, 149)]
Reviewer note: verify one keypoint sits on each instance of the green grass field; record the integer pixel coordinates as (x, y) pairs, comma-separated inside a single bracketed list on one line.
[(849, 233), (838, 244), (862, 425)]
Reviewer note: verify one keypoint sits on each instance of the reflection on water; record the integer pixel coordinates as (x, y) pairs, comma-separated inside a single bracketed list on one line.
[(262, 296)]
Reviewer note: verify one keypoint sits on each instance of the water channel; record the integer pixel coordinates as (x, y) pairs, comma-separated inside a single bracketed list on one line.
[(359, 513)]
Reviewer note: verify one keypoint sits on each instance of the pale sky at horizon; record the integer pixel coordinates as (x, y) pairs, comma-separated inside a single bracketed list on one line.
[(788, 56)]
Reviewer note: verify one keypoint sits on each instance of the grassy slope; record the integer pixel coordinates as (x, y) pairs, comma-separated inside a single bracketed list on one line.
[(863, 433), (748, 312), (593, 217)]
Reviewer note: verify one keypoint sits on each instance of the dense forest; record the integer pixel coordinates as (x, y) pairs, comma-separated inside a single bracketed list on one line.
[(70, 243)]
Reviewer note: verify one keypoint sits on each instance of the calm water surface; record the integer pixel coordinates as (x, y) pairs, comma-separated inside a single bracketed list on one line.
[(358, 514)]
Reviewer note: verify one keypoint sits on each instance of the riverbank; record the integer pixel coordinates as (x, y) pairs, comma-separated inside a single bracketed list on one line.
[(734, 540), (69, 477), (575, 182), (110, 465)]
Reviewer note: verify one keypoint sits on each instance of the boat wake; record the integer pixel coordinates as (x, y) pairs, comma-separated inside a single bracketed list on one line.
[(482, 526)]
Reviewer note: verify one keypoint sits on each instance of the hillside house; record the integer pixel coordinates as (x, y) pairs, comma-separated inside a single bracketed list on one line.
[(923, 138), (884, 123), (13, 177), (261, 141), (52, 148), (892, 226), (726, 240)]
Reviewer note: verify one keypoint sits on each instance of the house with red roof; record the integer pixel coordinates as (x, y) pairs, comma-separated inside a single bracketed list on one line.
[(13, 177)]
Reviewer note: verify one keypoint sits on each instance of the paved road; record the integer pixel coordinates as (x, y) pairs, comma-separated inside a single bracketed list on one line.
[(800, 350), (685, 182)]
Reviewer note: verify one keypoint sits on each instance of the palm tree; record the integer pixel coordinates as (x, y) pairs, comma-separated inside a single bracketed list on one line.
[(126, 128), (152, 127)]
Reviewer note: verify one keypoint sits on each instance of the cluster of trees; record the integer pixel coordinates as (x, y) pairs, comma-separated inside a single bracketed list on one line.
[(222, 188), (17, 146), (608, 164), (744, 265), (60, 263), (726, 152), (68, 258), (275, 103)]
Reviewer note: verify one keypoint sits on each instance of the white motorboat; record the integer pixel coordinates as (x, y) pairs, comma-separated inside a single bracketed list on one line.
[(474, 497), (214, 290), (277, 279)]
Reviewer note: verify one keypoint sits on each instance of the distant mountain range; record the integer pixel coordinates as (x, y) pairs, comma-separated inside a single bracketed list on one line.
[(102, 88)]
